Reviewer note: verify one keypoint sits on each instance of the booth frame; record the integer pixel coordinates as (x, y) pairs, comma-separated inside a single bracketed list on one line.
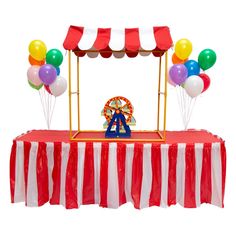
[(161, 133)]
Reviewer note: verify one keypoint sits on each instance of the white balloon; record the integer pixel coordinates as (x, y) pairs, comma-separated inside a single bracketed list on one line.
[(59, 86), (193, 86)]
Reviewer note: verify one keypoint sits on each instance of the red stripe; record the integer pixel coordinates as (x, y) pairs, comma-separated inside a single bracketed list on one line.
[(104, 174), (131, 54), (79, 53), (121, 155), (206, 174), (103, 38), (172, 154), (27, 147), (137, 174), (157, 52), (13, 170), (56, 174), (42, 174), (162, 37), (132, 42), (189, 195), (223, 166), (71, 177), (73, 37), (106, 52), (155, 195), (88, 184)]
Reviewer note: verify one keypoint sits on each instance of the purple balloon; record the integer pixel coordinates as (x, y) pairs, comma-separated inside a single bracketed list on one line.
[(178, 73), (47, 74)]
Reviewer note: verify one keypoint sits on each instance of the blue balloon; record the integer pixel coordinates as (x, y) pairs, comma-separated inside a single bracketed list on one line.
[(58, 70), (192, 67)]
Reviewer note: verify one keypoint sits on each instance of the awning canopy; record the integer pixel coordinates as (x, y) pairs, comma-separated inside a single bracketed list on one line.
[(108, 41)]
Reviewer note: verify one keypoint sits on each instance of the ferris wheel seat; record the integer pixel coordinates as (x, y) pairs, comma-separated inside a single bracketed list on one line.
[(132, 122), (116, 103), (108, 112)]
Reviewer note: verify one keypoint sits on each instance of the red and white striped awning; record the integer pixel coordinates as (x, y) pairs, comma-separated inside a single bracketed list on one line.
[(108, 41)]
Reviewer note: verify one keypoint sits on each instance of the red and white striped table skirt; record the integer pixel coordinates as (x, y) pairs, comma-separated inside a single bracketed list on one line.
[(111, 174)]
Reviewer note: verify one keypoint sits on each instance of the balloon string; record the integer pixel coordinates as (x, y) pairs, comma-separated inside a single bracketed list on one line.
[(42, 103), (54, 104), (49, 109), (191, 110), (46, 107), (180, 101), (178, 98), (188, 104), (184, 105), (48, 103), (186, 97)]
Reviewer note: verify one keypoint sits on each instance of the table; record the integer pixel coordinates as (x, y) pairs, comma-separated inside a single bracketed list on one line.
[(189, 169)]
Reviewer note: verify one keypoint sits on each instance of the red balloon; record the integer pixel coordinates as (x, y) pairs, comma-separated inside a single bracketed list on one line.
[(47, 88), (206, 80)]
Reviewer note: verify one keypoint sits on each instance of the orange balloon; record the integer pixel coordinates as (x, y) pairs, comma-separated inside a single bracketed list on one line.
[(34, 62), (177, 60)]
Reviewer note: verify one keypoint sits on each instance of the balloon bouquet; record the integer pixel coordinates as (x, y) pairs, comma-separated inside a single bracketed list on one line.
[(46, 77), (186, 76)]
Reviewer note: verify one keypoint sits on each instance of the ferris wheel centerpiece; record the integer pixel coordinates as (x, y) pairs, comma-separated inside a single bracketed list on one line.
[(118, 112)]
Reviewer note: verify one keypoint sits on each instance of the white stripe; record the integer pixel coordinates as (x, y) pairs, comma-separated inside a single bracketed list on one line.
[(147, 176), (64, 160), (118, 54), (97, 148), (164, 174), (19, 194), (92, 54), (147, 39), (80, 169), (32, 187), (117, 39), (88, 38), (216, 175), (128, 171), (50, 158), (180, 174), (113, 187), (144, 54), (198, 161)]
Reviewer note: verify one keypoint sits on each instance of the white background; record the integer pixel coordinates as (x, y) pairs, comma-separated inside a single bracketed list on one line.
[(205, 23)]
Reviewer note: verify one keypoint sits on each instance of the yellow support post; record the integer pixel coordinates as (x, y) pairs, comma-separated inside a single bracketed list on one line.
[(78, 95), (70, 103), (159, 93), (165, 93)]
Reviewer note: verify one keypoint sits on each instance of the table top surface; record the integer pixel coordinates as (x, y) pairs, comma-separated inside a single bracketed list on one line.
[(189, 136)]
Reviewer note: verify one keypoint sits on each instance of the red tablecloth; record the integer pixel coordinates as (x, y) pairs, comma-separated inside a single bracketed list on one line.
[(189, 169)]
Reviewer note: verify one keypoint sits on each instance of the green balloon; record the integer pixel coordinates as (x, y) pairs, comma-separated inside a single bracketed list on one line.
[(54, 57), (35, 87), (206, 59)]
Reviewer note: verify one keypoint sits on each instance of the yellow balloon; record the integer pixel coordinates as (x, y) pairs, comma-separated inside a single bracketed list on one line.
[(183, 48), (37, 50)]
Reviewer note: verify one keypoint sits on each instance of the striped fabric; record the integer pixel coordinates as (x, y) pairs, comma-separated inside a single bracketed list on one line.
[(108, 41), (111, 174)]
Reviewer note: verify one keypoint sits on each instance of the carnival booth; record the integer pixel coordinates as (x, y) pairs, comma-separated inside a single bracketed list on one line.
[(117, 165), (119, 43)]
